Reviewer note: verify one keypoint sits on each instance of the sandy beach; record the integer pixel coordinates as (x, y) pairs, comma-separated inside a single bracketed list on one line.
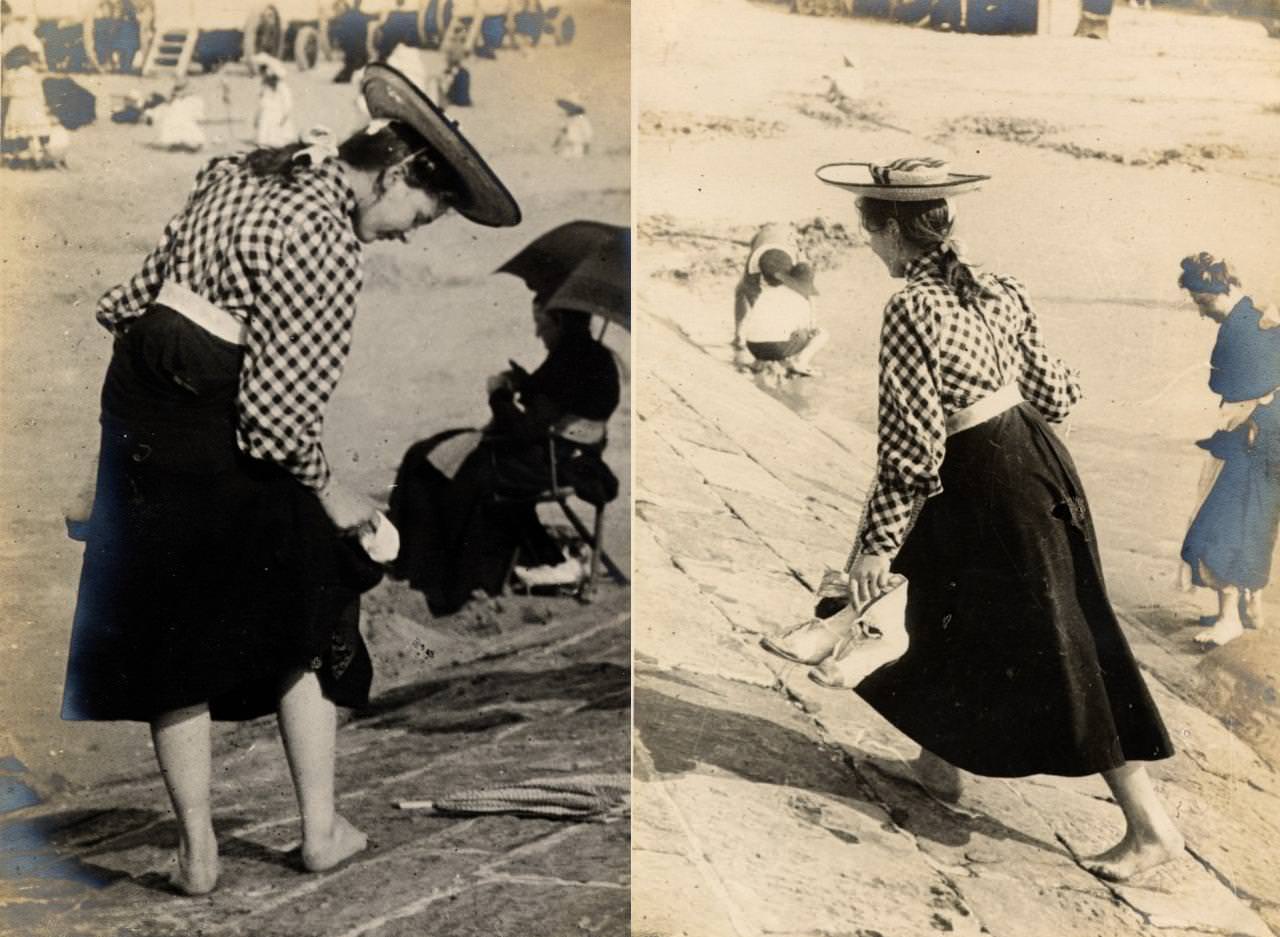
[(758, 801), (434, 322)]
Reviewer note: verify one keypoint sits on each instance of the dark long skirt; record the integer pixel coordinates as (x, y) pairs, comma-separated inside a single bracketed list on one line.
[(1017, 664), (456, 535), (1234, 532), (208, 576)]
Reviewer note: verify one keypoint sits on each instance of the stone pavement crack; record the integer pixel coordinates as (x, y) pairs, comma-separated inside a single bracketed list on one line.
[(419, 905), (1227, 882)]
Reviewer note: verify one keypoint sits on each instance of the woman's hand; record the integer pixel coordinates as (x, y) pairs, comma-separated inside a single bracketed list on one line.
[(347, 509), (870, 578)]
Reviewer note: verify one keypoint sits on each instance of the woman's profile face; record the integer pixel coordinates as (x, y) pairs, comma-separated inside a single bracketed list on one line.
[(546, 326), (884, 245), (397, 210)]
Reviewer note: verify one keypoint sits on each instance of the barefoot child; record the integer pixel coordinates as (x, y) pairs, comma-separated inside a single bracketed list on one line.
[(1233, 534), (780, 325)]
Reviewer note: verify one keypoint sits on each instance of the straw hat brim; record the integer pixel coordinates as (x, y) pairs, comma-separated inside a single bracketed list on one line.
[(483, 199), (856, 178)]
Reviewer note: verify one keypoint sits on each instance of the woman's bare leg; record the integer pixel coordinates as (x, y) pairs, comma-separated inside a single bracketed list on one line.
[(1228, 627), (183, 746), (1251, 608), (1150, 837), (308, 727)]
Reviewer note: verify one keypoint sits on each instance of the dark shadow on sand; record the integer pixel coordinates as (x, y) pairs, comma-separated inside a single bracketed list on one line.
[(682, 737)]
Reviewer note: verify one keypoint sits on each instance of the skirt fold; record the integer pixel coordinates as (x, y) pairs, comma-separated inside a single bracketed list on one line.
[(1017, 664)]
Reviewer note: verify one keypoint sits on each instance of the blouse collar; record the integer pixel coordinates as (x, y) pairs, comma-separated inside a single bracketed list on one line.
[(923, 265)]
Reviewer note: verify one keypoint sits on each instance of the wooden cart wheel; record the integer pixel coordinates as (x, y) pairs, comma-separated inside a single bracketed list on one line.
[(263, 32), (306, 48)]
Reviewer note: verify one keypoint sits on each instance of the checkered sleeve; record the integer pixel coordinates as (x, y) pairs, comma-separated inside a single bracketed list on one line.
[(912, 425), (1045, 381), (123, 303), (298, 338)]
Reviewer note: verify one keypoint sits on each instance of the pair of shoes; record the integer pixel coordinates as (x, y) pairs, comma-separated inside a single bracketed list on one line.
[(808, 642), (568, 572), (877, 637)]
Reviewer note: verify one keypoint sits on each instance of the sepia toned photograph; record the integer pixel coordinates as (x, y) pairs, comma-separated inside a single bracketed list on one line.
[(957, 350), (315, 381)]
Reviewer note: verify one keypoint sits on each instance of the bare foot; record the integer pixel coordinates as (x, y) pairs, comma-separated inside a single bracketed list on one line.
[(343, 842), (1226, 629), (197, 865), (1251, 608), (1133, 855)]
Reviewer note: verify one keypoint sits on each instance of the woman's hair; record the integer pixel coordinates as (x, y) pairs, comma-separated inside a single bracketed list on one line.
[(926, 225), (1204, 273), (373, 149)]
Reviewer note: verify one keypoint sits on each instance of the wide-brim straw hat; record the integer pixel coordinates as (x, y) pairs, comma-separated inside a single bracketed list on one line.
[(903, 180), (484, 199)]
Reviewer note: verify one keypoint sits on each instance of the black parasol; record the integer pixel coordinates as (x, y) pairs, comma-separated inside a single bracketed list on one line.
[(583, 266)]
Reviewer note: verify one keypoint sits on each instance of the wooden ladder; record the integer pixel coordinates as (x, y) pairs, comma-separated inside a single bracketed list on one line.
[(171, 51)]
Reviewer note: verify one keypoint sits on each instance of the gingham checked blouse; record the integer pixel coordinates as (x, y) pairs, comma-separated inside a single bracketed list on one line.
[(937, 357), (282, 257)]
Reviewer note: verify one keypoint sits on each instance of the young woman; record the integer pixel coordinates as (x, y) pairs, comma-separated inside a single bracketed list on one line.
[(1233, 534), (215, 582), (1017, 664)]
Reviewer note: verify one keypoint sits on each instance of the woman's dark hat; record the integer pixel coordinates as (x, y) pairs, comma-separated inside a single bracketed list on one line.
[(776, 265), (483, 199), (903, 180)]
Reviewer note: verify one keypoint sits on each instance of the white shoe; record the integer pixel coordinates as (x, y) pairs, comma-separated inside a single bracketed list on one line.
[(809, 642), (877, 637), (569, 572)]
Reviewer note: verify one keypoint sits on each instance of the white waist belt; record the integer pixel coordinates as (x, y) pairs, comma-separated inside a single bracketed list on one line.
[(1006, 398), (203, 313)]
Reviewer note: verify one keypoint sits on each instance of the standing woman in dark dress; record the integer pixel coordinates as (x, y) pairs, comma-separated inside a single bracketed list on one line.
[(217, 583), (1233, 535), (1016, 664)]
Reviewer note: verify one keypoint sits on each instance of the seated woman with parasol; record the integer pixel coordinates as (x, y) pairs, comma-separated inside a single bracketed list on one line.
[(460, 529)]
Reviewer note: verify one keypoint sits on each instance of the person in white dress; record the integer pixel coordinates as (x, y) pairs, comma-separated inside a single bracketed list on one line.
[(273, 124)]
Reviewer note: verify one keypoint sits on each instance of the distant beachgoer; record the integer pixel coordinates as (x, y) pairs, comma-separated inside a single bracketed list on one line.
[(780, 325), (136, 108), (178, 122), (574, 138), (220, 580), (1017, 664), (30, 136), (273, 122), (452, 85), (1232, 536)]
